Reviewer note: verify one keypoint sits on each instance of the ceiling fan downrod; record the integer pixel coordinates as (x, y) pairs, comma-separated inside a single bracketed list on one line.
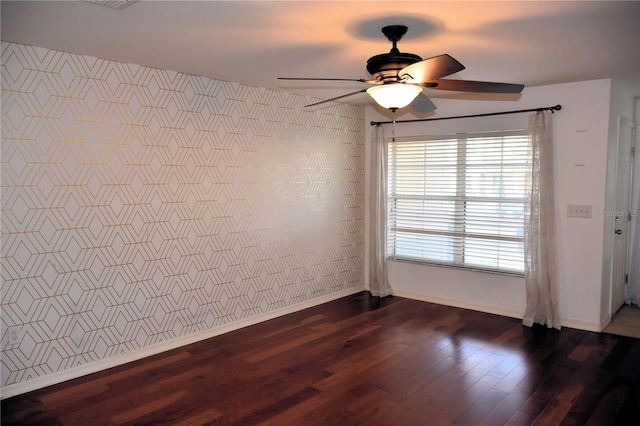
[(394, 33)]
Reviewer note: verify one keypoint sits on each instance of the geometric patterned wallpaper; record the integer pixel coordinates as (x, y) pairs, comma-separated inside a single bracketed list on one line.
[(140, 205)]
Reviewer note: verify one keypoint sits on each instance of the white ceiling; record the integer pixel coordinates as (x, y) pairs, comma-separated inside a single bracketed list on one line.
[(254, 42)]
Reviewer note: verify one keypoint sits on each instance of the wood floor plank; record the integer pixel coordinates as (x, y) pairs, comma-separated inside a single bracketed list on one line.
[(481, 408), (293, 414), (553, 413), (513, 378), (505, 409), (149, 407), (361, 360), (465, 401), (201, 418)]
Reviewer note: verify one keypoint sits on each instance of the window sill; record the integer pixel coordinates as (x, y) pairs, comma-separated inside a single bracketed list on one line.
[(452, 266)]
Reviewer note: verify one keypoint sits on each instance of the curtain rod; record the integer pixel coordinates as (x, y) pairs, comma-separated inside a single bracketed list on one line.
[(549, 108)]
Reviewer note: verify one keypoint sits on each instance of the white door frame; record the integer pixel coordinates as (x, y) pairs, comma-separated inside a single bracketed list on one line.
[(621, 215)]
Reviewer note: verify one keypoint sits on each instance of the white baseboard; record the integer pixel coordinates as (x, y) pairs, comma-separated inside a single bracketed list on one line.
[(94, 367), (570, 323), (459, 304), (582, 325)]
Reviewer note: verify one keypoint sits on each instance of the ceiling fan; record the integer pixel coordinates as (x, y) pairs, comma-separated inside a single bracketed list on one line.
[(398, 78)]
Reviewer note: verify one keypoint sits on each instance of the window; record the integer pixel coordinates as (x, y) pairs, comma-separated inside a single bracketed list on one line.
[(459, 200)]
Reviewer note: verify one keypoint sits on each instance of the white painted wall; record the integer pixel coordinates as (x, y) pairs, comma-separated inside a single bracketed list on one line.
[(582, 133)]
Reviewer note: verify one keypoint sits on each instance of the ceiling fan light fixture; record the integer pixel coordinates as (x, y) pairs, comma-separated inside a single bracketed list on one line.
[(394, 96)]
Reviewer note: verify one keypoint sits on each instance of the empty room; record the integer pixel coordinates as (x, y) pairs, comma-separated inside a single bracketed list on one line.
[(320, 212)]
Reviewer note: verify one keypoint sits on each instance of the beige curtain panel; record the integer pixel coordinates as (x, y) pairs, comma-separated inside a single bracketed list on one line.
[(540, 247)]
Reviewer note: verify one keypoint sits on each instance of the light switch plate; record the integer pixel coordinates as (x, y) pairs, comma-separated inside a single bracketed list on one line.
[(578, 210)]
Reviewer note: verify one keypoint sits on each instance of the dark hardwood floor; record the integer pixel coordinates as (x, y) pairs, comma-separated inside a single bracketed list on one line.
[(362, 361)]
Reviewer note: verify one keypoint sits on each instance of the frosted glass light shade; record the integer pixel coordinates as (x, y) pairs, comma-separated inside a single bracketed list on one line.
[(394, 96)]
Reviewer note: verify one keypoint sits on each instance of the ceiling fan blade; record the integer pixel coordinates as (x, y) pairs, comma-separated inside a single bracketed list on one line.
[(422, 104), (336, 98), (430, 69), (360, 80), (475, 86)]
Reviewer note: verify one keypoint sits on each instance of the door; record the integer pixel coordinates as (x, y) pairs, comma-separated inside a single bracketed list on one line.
[(622, 213)]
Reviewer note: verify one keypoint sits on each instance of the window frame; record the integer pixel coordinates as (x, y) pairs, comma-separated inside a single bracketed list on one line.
[(460, 200)]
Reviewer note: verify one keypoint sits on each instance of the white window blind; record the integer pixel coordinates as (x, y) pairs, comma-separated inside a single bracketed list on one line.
[(459, 200)]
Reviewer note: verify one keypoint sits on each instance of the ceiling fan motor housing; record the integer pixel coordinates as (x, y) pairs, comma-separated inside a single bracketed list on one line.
[(385, 67)]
